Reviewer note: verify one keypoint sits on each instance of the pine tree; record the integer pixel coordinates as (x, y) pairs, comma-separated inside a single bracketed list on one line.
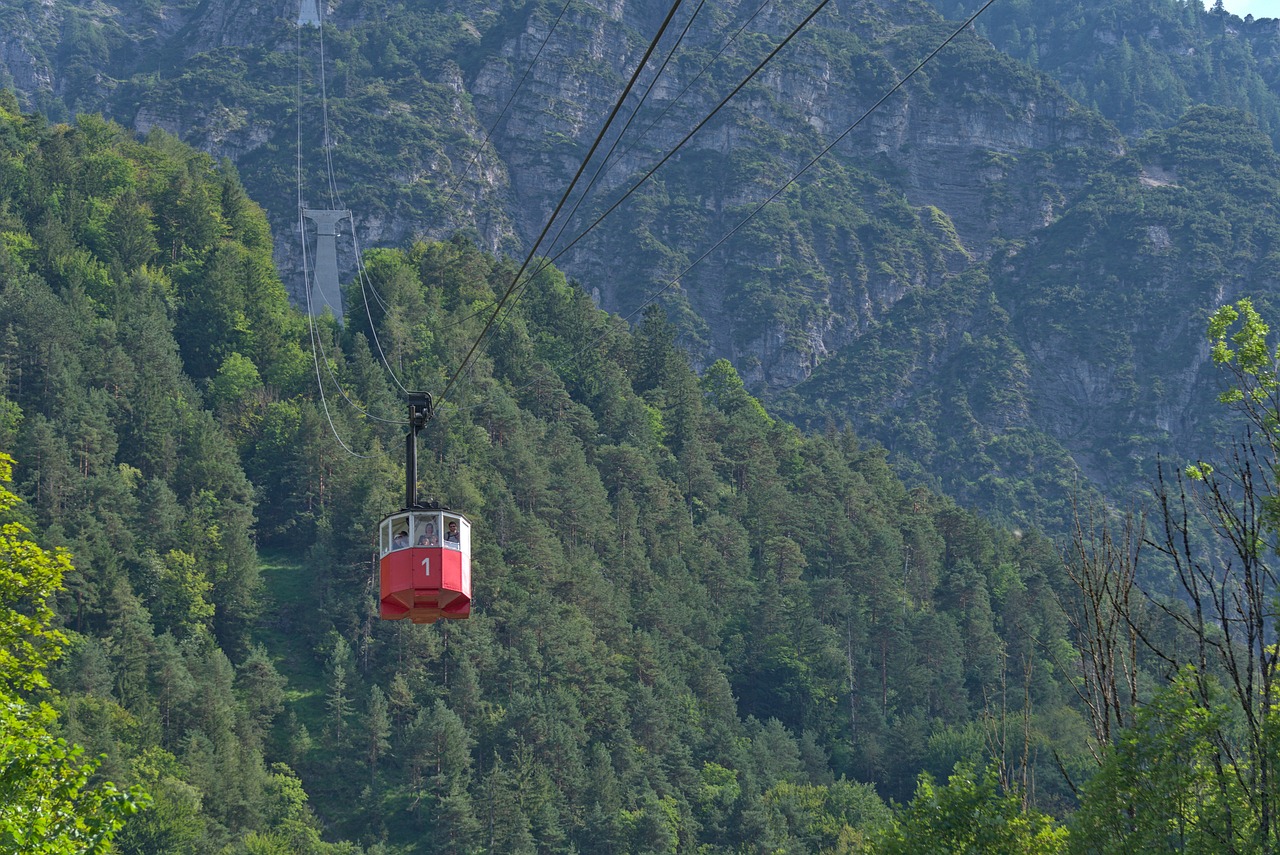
[(445, 801), (377, 731), (132, 233), (337, 697), (505, 828), (174, 690), (129, 627), (262, 691)]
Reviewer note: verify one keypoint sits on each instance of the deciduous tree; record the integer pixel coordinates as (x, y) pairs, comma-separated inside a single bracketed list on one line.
[(48, 804)]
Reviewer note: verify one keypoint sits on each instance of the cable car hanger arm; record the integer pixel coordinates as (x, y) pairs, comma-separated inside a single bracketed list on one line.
[(421, 411)]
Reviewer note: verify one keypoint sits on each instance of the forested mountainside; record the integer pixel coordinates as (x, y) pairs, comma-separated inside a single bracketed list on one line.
[(977, 148), (695, 626), (413, 91), (697, 629), (1142, 64), (978, 160), (1082, 346)]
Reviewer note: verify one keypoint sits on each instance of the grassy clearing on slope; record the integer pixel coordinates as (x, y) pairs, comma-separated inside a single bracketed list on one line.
[(286, 587)]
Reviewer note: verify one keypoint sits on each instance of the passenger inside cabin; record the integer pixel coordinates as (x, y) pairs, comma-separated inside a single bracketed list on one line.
[(401, 540), (451, 536), (429, 537)]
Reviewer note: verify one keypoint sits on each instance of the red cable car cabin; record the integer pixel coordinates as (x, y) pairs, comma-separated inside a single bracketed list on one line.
[(425, 564)]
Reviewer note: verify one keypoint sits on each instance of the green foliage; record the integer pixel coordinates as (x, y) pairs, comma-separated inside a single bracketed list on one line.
[(1211, 732), (834, 818), (971, 814), (163, 515), (1142, 64), (48, 803), (695, 626), (1251, 363), (726, 391), (182, 598), (1158, 791), (28, 578)]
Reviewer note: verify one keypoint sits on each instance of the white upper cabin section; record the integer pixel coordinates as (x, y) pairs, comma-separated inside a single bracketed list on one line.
[(427, 529)]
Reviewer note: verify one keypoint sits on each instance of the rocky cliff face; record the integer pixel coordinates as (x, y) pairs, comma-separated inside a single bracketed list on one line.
[(1081, 348), (939, 146)]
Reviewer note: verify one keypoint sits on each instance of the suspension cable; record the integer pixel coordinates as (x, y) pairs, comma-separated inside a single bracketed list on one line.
[(335, 199), (885, 97), (605, 162), (360, 272), (723, 47), (311, 324), (306, 278), (596, 144), (475, 155), (772, 197), (701, 71), (636, 186)]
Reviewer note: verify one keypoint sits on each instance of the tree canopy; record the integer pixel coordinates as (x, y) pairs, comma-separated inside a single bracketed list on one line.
[(49, 804)]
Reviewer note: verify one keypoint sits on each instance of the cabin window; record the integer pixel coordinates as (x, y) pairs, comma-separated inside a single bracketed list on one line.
[(426, 530), (400, 532), (452, 535), (457, 533)]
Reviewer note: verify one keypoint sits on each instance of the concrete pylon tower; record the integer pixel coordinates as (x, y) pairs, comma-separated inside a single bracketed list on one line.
[(309, 13), (324, 285)]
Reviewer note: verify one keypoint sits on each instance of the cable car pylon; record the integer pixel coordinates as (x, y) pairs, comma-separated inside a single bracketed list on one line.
[(424, 549), (308, 13), (327, 293)]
